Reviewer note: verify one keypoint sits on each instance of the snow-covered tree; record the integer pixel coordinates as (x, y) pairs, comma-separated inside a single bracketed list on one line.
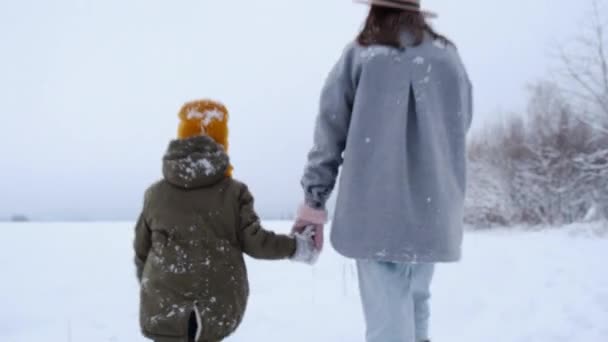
[(583, 68), (547, 183), (549, 168)]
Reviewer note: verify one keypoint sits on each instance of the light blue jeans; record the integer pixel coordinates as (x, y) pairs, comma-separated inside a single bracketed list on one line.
[(395, 300)]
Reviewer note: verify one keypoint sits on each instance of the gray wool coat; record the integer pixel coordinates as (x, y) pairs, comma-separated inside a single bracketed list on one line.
[(395, 121)]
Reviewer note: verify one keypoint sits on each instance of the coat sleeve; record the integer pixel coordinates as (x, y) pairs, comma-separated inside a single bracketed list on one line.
[(470, 107), (331, 130), (142, 243), (255, 241)]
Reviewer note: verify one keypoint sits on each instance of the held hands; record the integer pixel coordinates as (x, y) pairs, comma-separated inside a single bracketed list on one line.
[(308, 231), (306, 251)]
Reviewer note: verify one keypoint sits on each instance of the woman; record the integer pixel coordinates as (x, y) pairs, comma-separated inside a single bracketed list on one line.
[(394, 115)]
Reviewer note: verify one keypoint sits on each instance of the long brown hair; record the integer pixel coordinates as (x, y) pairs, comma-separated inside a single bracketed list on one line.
[(384, 26)]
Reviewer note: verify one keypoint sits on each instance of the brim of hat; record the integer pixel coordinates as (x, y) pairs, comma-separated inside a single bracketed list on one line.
[(426, 13)]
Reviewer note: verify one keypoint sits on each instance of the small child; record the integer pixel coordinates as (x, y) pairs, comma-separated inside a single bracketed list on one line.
[(190, 238)]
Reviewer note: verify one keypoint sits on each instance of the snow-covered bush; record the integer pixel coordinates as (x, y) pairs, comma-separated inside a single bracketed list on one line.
[(550, 168), (487, 202)]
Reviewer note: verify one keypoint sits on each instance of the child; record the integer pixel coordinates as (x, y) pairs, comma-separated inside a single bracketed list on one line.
[(190, 238)]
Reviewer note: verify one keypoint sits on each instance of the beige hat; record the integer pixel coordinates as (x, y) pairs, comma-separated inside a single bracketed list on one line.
[(408, 5)]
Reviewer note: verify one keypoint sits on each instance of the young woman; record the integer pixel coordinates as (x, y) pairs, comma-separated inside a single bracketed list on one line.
[(394, 115)]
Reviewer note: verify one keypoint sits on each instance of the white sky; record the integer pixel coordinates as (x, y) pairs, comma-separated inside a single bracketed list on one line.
[(89, 90)]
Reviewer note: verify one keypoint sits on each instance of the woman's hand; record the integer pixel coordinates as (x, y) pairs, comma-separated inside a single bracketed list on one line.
[(313, 219)]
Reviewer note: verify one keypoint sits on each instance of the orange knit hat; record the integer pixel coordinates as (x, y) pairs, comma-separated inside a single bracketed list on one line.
[(205, 117)]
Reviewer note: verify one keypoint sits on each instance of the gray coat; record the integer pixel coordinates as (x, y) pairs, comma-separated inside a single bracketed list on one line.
[(396, 121)]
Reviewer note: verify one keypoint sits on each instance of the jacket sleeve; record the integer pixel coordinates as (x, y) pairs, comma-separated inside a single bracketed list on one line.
[(255, 241), (332, 124), (142, 243), (470, 107)]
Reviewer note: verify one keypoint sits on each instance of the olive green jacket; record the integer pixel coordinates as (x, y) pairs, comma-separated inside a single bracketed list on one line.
[(189, 244)]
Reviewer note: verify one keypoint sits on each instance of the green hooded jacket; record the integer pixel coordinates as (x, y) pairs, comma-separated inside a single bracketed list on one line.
[(189, 243)]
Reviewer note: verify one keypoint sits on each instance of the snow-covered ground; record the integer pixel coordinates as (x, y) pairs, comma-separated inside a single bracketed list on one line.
[(75, 283)]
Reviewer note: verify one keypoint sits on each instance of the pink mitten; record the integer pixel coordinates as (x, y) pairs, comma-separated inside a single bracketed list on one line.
[(310, 217)]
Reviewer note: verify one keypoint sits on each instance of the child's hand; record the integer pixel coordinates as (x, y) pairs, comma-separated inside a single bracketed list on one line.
[(317, 232), (305, 247)]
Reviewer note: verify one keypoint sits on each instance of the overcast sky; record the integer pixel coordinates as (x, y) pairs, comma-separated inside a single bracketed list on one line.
[(89, 90)]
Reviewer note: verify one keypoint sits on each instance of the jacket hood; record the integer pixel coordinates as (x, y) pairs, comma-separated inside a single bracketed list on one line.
[(195, 162)]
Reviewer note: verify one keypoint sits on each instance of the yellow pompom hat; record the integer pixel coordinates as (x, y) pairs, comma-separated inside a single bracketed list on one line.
[(205, 117)]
